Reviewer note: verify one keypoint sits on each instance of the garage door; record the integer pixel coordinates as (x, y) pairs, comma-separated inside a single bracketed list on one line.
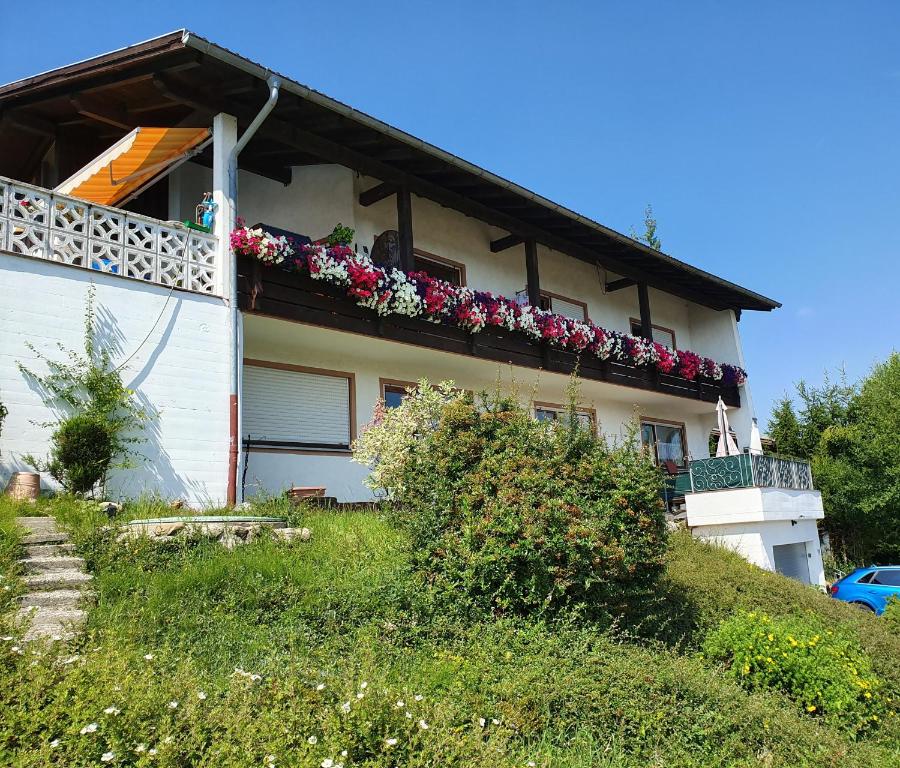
[(791, 561)]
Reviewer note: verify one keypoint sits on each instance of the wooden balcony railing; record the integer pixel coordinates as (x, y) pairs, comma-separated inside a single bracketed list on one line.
[(39, 223), (297, 297)]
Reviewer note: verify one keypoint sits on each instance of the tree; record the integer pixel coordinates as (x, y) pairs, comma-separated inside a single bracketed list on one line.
[(649, 236)]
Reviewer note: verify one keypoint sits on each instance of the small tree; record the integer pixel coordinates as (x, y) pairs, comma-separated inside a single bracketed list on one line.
[(97, 417), (649, 236)]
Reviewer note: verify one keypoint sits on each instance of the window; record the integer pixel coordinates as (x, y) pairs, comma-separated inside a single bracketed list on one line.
[(865, 579), (393, 392), (665, 442), (577, 310), (661, 335), (443, 269), (550, 412), (887, 578), (292, 407)]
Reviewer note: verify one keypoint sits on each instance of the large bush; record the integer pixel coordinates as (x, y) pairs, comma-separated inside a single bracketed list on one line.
[(81, 451), (516, 516), (824, 670)]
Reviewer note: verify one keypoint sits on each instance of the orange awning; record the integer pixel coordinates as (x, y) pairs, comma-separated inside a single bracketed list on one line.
[(132, 162)]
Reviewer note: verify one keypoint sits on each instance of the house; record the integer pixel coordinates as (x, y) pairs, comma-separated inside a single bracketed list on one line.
[(261, 377)]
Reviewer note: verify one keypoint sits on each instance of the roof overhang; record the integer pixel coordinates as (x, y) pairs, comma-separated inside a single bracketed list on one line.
[(181, 79)]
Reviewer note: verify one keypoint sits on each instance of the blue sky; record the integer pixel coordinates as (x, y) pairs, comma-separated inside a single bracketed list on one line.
[(766, 135)]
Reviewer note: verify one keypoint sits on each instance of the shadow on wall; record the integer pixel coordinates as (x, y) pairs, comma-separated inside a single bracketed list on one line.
[(153, 472)]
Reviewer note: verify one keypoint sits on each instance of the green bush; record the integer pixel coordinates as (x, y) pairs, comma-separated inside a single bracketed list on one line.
[(524, 517), (825, 671), (81, 450), (891, 616)]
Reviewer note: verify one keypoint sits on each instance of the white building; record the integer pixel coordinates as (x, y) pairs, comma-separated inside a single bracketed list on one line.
[(261, 378)]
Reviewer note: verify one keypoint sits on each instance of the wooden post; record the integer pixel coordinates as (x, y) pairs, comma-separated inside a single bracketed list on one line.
[(644, 302), (532, 274), (405, 229)]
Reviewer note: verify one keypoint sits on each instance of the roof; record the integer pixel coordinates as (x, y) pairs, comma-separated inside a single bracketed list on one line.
[(182, 79)]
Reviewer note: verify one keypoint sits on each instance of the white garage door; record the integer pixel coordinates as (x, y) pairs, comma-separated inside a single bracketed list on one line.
[(791, 561)]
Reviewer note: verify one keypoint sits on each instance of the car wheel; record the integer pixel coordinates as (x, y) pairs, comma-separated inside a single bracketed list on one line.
[(863, 606)]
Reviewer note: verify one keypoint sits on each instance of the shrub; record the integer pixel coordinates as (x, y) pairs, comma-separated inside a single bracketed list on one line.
[(891, 615), (81, 452), (521, 516), (824, 671)]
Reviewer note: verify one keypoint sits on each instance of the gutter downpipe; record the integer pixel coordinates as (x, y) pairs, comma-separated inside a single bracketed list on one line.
[(274, 84)]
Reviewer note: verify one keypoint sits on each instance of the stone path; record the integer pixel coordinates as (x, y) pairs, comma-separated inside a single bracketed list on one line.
[(55, 579)]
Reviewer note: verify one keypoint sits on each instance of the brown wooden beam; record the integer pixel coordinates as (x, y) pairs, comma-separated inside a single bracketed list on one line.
[(103, 111), (405, 229), (644, 303), (30, 123), (503, 243), (532, 273), (618, 285), (376, 193)]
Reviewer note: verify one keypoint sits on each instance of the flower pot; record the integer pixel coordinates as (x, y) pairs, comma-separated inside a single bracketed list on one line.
[(24, 486)]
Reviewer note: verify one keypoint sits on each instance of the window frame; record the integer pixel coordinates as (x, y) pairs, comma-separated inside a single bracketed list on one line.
[(383, 384), (666, 423), (442, 261), (537, 405), (297, 447), (633, 321)]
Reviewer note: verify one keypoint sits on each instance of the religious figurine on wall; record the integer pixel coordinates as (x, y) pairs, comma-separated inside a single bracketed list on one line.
[(386, 250), (206, 212)]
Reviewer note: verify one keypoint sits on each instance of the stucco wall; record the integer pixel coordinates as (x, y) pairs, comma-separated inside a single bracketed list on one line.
[(180, 372)]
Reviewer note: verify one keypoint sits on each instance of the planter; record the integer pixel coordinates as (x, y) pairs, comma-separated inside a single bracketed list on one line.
[(24, 486), (305, 492)]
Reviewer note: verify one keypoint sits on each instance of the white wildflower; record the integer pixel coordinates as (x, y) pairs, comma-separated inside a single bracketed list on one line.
[(89, 728), (111, 711), (495, 721), (390, 742), (345, 707), (173, 704), (418, 697), (54, 744), (201, 695), (70, 660), (320, 687), (423, 725), (363, 685), (151, 751), (400, 704), (327, 763), (482, 722), (360, 695), (408, 715), (107, 757), (140, 748), (312, 740)]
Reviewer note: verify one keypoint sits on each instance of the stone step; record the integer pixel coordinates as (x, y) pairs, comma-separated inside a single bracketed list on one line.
[(52, 564), (37, 524), (56, 580), (45, 538), (51, 622), (48, 550), (54, 598)]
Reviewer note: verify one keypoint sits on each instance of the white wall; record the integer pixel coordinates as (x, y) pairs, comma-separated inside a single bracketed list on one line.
[(181, 371)]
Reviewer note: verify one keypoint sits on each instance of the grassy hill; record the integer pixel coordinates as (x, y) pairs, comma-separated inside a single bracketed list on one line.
[(294, 654)]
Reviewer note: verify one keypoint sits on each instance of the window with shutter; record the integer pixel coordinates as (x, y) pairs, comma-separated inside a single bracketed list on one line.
[(285, 408)]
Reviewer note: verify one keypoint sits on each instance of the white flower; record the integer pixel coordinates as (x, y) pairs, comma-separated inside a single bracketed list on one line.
[(151, 751), (423, 725), (168, 739), (173, 705), (327, 763), (343, 753), (482, 722), (495, 721), (89, 728), (54, 744), (530, 764), (6, 638), (400, 704), (107, 757), (363, 685), (407, 715), (320, 687), (70, 660), (418, 697), (390, 742), (312, 740), (148, 656), (140, 748), (111, 711), (201, 695), (345, 707), (360, 695), (270, 760)]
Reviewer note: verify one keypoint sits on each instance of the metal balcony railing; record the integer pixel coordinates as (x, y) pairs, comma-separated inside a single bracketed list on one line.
[(750, 471), (39, 223)]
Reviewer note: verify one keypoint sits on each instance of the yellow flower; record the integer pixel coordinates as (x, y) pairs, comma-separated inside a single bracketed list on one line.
[(868, 695), (811, 708)]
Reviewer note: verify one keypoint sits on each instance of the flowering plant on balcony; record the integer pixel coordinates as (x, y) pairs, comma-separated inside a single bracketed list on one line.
[(417, 294)]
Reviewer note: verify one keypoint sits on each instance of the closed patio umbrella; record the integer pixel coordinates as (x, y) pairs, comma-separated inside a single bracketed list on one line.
[(727, 446), (755, 439)]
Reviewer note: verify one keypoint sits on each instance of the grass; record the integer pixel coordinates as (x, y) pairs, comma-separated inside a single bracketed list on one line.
[(314, 621)]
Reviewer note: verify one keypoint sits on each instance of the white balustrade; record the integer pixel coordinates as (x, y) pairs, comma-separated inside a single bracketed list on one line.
[(40, 223)]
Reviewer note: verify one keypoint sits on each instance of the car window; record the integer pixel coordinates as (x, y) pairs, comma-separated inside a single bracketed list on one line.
[(887, 578), (865, 579)]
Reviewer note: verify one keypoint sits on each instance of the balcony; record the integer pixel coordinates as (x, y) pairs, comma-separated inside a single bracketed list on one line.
[(39, 223), (749, 471), (292, 296)]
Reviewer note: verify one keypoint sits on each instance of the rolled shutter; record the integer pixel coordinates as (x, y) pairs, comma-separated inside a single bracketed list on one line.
[(294, 408), (567, 308)]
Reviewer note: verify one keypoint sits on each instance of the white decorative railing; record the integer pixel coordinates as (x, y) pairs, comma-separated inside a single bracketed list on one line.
[(40, 223)]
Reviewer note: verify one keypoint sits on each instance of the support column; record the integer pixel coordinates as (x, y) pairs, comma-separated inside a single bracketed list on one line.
[(404, 228), (532, 274), (225, 195), (644, 303)]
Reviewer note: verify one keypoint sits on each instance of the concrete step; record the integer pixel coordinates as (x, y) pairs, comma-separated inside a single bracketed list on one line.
[(54, 598), (52, 564), (70, 579), (48, 550), (37, 524), (45, 538), (51, 622)]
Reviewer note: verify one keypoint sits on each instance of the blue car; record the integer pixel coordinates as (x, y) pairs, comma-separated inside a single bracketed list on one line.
[(869, 588)]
